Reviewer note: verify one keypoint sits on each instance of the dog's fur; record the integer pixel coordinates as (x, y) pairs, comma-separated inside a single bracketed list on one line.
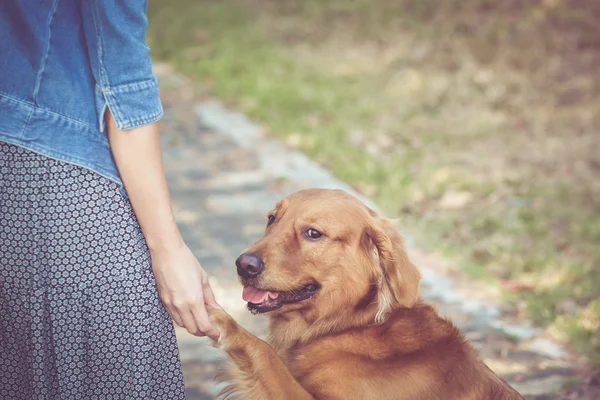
[(365, 334)]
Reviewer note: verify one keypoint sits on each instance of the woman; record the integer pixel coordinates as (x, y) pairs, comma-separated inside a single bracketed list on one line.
[(87, 234)]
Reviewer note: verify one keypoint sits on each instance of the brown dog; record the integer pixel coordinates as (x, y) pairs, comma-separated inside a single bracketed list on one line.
[(345, 318)]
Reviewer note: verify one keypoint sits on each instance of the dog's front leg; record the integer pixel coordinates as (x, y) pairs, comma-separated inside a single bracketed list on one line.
[(259, 373)]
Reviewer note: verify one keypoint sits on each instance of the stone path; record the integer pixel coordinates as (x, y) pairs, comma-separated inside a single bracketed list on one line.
[(224, 175)]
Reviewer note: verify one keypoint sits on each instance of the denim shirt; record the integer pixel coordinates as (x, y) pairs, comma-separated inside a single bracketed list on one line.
[(62, 62)]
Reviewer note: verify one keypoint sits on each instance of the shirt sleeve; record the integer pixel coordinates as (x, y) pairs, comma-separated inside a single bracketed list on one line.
[(115, 32)]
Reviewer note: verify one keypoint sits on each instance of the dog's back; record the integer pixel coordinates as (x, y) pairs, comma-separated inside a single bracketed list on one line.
[(414, 355)]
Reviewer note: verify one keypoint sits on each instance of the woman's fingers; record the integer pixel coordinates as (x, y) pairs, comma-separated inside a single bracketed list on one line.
[(189, 322), (174, 314), (203, 322), (192, 316), (209, 296), (170, 308)]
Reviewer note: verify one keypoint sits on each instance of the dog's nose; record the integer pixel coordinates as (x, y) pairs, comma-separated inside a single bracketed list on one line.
[(249, 265)]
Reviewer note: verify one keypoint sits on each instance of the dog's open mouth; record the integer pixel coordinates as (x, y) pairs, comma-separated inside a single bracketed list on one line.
[(262, 301)]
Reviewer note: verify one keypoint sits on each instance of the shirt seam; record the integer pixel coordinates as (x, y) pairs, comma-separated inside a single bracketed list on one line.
[(132, 123), (26, 124), (38, 80), (33, 106), (111, 103), (137, 86), (100, 44)]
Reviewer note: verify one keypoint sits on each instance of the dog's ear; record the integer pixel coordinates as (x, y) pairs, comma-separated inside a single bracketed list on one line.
[(399, 279)]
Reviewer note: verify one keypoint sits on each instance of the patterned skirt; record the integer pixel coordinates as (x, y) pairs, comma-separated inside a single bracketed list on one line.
[(80, 316)]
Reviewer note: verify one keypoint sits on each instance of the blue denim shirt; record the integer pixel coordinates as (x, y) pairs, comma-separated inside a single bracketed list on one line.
[(62, 62)]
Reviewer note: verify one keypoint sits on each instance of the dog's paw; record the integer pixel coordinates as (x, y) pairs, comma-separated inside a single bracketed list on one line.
[(220, 319), (224, 323)]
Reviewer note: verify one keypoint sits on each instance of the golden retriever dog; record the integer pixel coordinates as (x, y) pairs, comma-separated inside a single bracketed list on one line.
[(345, 318)]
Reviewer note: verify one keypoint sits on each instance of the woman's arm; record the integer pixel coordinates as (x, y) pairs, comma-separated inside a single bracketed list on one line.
[(182, 283)]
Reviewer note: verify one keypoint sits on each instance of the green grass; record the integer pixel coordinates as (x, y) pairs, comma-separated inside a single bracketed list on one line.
[(473, 122)]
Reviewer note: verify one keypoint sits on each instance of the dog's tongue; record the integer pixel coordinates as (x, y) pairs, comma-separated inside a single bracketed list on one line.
[(256, 296)]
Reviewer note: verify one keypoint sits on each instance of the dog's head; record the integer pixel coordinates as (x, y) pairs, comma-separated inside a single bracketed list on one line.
[(325, 250)]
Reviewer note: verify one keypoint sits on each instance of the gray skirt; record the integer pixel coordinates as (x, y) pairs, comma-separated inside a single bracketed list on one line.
[(80, 316)]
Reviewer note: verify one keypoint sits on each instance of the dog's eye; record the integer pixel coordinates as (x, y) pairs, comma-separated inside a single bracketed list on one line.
[(313, 233), (270, 219)]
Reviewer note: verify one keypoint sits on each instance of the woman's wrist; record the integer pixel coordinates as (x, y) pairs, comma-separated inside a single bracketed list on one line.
[(167, 239)]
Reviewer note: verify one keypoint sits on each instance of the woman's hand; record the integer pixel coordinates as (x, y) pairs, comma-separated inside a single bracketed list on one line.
[(184, 289)]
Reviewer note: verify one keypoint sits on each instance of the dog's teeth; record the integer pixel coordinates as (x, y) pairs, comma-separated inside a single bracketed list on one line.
[(254, 311)]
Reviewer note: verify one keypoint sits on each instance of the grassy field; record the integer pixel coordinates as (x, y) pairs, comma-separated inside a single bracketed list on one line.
[(476, 122)]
